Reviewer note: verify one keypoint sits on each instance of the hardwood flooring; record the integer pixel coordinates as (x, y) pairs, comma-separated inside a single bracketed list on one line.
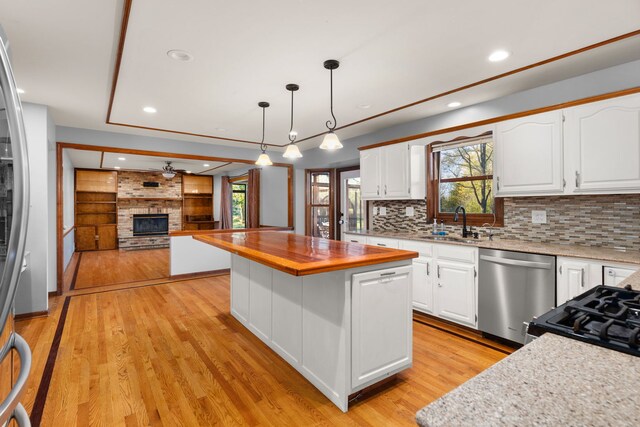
[(171, 354), (101, 268)]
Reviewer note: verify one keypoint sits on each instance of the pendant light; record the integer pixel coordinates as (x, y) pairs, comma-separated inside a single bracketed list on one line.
[(292, 151), (331, 140), (263, 159)]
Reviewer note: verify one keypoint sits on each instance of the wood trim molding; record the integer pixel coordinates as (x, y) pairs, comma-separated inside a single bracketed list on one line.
[(569, 104), (126, 13), (66, 233), (42, 313), (59, 222)]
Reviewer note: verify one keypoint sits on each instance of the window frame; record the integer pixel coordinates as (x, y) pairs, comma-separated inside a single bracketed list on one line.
[(308, 200), (244, 184), (433, 194)]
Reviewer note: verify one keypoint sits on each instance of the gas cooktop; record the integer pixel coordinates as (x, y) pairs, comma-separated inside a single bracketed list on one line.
[(604, 315)]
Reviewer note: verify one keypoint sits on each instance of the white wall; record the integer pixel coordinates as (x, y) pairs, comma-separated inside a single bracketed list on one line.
[(68, 207), (41, 238), (273, 196)]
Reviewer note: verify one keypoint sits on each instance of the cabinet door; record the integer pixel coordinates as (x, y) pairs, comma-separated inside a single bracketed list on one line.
[(85, 238), (384, 242), (604, 142), (370, 173), (107, 237), (381, 324), (455, 293), (529, 155), (423, 284), (395, 172), (573, 279), (354, 238)]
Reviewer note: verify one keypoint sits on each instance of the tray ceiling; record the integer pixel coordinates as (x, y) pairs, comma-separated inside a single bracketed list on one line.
[(391, 53)]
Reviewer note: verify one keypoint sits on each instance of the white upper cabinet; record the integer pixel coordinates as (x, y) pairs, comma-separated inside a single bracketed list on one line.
[(393, 172), (529, 155), (370, 173), (603, 146)]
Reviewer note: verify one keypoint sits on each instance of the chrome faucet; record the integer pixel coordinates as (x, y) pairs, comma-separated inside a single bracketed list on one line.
[(465, 232)]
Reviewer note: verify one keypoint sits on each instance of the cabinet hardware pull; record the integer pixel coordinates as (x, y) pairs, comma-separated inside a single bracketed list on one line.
[(388, 274), (427, 269), (582, 277), (439, 285), (353, 241), (378, 190), (560, 269), (564, 183), (381, 244), (577, 179), (438, 269), (385, 189), (498, 182)]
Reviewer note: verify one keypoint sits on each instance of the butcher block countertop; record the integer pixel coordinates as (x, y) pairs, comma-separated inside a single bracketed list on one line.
[(302, 255)]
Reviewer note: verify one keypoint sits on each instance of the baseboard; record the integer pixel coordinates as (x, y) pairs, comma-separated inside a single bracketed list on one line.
[(23, 316), (201, 274)]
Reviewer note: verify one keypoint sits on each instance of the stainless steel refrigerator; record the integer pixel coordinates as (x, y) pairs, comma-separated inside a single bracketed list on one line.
[(14, 210)]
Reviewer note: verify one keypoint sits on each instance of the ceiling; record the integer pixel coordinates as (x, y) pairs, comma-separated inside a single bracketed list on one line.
[(391, 53), (106, 160)]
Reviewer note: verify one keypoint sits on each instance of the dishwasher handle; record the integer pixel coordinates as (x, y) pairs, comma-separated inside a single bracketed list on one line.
[(516, 262)]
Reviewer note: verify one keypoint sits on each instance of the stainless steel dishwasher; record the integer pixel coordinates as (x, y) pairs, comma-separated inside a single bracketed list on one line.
[(513, 287)]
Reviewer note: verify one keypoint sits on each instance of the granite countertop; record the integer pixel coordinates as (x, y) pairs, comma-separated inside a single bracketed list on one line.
[(552, 381), (576, 251)]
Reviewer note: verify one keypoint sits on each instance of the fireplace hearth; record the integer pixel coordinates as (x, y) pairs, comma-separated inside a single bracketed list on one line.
[(150, 224)]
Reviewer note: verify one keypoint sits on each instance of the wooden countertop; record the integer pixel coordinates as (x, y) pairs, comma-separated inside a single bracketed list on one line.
[(302, 255), (224, 231)]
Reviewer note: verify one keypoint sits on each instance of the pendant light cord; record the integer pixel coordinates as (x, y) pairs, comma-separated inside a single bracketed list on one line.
[(263, 146), (291, 137), (335, 122)]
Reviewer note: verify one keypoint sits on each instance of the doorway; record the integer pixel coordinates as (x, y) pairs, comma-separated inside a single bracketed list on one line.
[(351, 209)]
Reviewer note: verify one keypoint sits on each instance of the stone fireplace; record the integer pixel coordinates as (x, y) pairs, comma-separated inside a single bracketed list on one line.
[(150, 207)]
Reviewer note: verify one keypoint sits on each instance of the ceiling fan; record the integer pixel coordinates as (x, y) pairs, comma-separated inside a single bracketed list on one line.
[(168, 171)]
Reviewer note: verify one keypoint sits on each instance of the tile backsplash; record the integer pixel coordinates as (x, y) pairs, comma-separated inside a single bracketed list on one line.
[(611, 221)]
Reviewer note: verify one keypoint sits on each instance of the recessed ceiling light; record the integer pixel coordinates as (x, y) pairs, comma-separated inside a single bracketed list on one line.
[(188, 171), (454, 104), (122, 159), (206, 165), (221, 129), (20, 91), (499, 55), (364, 106), (116, 167), (149, 110), (180, 55)]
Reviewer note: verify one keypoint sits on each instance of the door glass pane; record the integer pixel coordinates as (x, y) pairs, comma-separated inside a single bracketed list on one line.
[(355, 206), (320, 188), (239, 205), (320, 222)]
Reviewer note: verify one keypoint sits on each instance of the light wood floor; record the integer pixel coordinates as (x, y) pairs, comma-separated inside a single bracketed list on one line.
[(101, 268), (171, 354)]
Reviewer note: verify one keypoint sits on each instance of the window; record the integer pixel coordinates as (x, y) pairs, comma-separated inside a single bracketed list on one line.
[(319, 204), (239, 205), (461, 174)]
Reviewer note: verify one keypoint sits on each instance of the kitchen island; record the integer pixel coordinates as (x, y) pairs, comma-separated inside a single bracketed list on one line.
[(339, 313)]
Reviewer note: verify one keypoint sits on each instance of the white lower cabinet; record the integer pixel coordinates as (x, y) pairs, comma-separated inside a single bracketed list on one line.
[(423, 274), (455, 292), (381, 323), (577, 275)]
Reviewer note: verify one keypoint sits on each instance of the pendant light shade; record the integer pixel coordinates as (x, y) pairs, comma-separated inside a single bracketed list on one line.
[(263, 159), (292, 151), (331, 140)]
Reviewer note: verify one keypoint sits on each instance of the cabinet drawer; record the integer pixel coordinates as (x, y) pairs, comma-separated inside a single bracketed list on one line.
[(457, 253), (424, 249), (383, 241), (355, 238)]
